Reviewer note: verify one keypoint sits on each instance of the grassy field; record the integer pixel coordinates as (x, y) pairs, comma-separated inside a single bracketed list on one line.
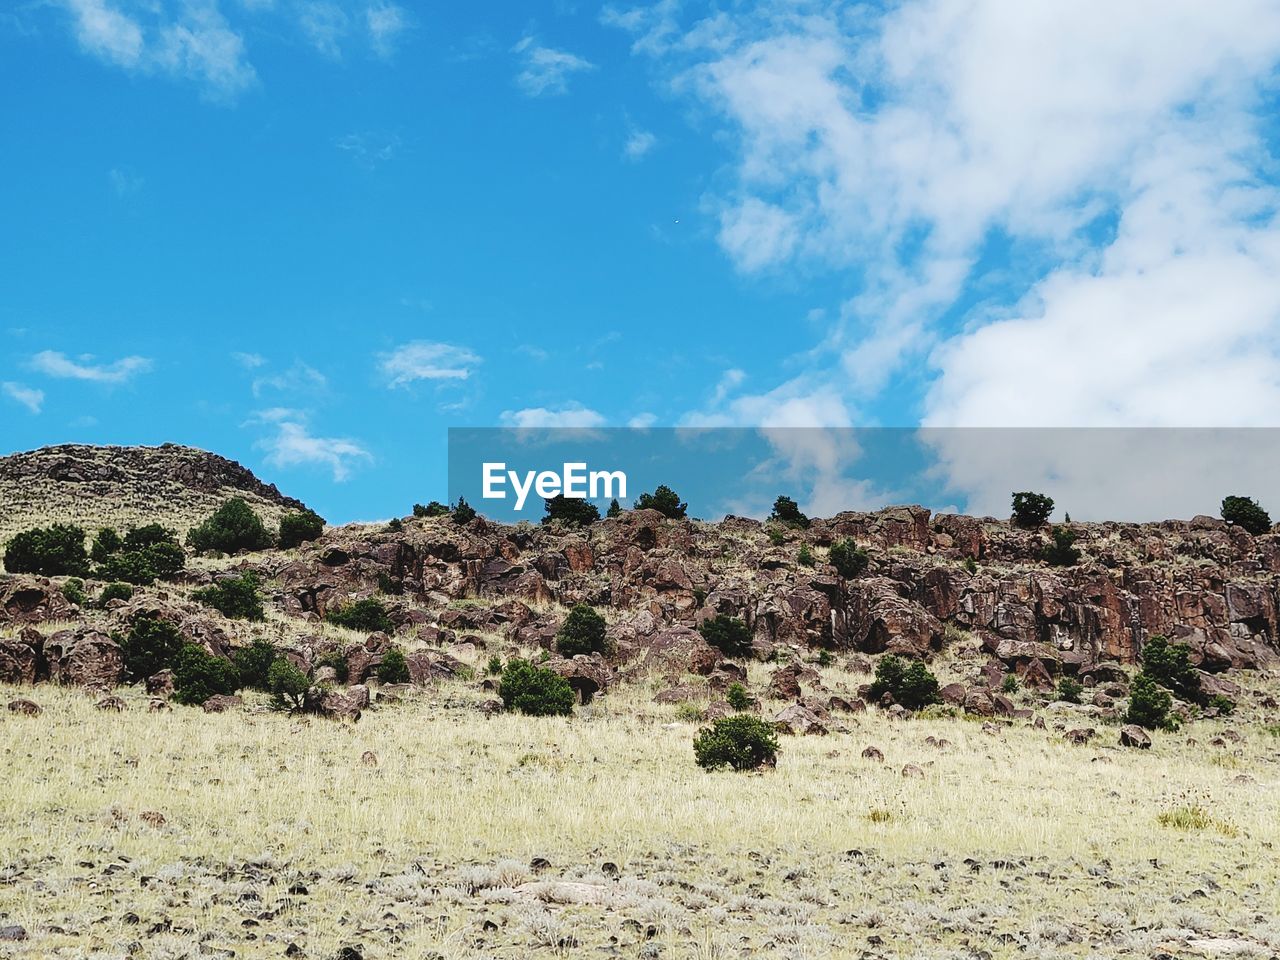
[(244, 833)]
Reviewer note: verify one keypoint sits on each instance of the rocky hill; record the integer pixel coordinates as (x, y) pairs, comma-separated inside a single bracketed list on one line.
[(122, 486)]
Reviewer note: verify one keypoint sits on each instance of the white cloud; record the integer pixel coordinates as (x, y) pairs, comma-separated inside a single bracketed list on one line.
[(572, 416), (292, 445), (899, 144), (325, 25), (638, 144), (642, 421), (124, 183), (300, 378), (545, 71), (198, 45), (369, 149), (55, 364), (29, 397), (426, 360), (385, 22), (250, 361)]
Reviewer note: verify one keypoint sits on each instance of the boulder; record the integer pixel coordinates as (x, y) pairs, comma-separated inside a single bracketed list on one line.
[(26, 599), (1131, 735), (800, 720), (83, 657), (28, 708), (221, 703), (20, 657)]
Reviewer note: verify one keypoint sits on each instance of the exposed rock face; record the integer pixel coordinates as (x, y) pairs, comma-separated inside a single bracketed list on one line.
[(20, 657), (83, 657), (26, 599), (1135, 736)]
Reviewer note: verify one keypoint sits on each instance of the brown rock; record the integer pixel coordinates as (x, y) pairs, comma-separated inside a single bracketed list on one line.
[(1132, 735), (221, 703), (25, 599), (369, 758), (800, 720), (874, 754), (160, 684), (28, 708), (110, 703), (20, 656), (83, 657), (1080, 735), (913, 772)]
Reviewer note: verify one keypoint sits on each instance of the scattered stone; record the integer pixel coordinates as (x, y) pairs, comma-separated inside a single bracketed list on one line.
[(874, 754), (221, 703), (13, 933), (1080, 735), (110, 703), (1132, 735), (801, 721), (911, 771), (28, 708), (369, 758)]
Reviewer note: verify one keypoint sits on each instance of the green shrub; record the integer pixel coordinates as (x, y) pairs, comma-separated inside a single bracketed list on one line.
[(494, 666), (727, 634), (253, 664), (1010, 684), (571, 511), (395, 525), (787, 511), (1169, 664), (805, 556), (335, 660), (1062, 552), (1070, 690), (199, 675), (1031, 509), (582, 632), (394, 668), (234, 597), (615, 509), (73, 591), (665, 500), (433, 509), (229, 529), (1224, 705), (150, 535), (298, 527), (105, 544), (463, 512), (776, 537), (288, 685), (909, 682), (150, 646), (1149, 704), (849, 559), (970, 565), (53, 551), (535, 691), (1246, 513), (368, 615), (739, 742), (114, 591), (737, 697), (826, 658)]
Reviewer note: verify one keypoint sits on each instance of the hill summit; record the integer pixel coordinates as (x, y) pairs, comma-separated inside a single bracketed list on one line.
[(124, 486)]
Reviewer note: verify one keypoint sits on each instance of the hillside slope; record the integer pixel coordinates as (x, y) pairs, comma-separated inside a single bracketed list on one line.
[(124, 486)]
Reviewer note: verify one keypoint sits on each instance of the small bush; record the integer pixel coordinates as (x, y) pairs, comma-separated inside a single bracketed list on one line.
[(739, 742), (970, 565), (150, 646), (73, 591), (336, 662), (234, 597), (571, 511), (1169, 664), (826, 658), (909, 682), (1224, 705), (229, 529), (1010, 684), (433, 509), (805, 556), (727, 634), (665, 500), (583, 632), (615, 509), (288, 685), (53, 551), (463, 512), (1070, 690), (787, 511), (150, 535), (1244, 512), (1149, 704), (535, 691), (1062, 552), (737, 697), (368, 615), (105, 544), (849, 559), (494, 667), (394, 668), (199, 675), (1031, 509), (114, 591), (300, 526), (254, 662), (395, 525), (776, 537)]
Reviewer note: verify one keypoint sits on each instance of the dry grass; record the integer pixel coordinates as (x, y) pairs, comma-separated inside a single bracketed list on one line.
[(1018, 844)]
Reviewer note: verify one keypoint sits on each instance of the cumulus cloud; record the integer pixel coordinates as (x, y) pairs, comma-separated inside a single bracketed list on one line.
[(293, 445), (55, 364), (426, 360), (385, 23), (196, 44), (545, 71), (324, 24), (298, 379), (571, 416), (638, 145), (29, 397)]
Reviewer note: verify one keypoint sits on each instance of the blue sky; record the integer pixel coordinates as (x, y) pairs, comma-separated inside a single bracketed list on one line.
[(313, 234)]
